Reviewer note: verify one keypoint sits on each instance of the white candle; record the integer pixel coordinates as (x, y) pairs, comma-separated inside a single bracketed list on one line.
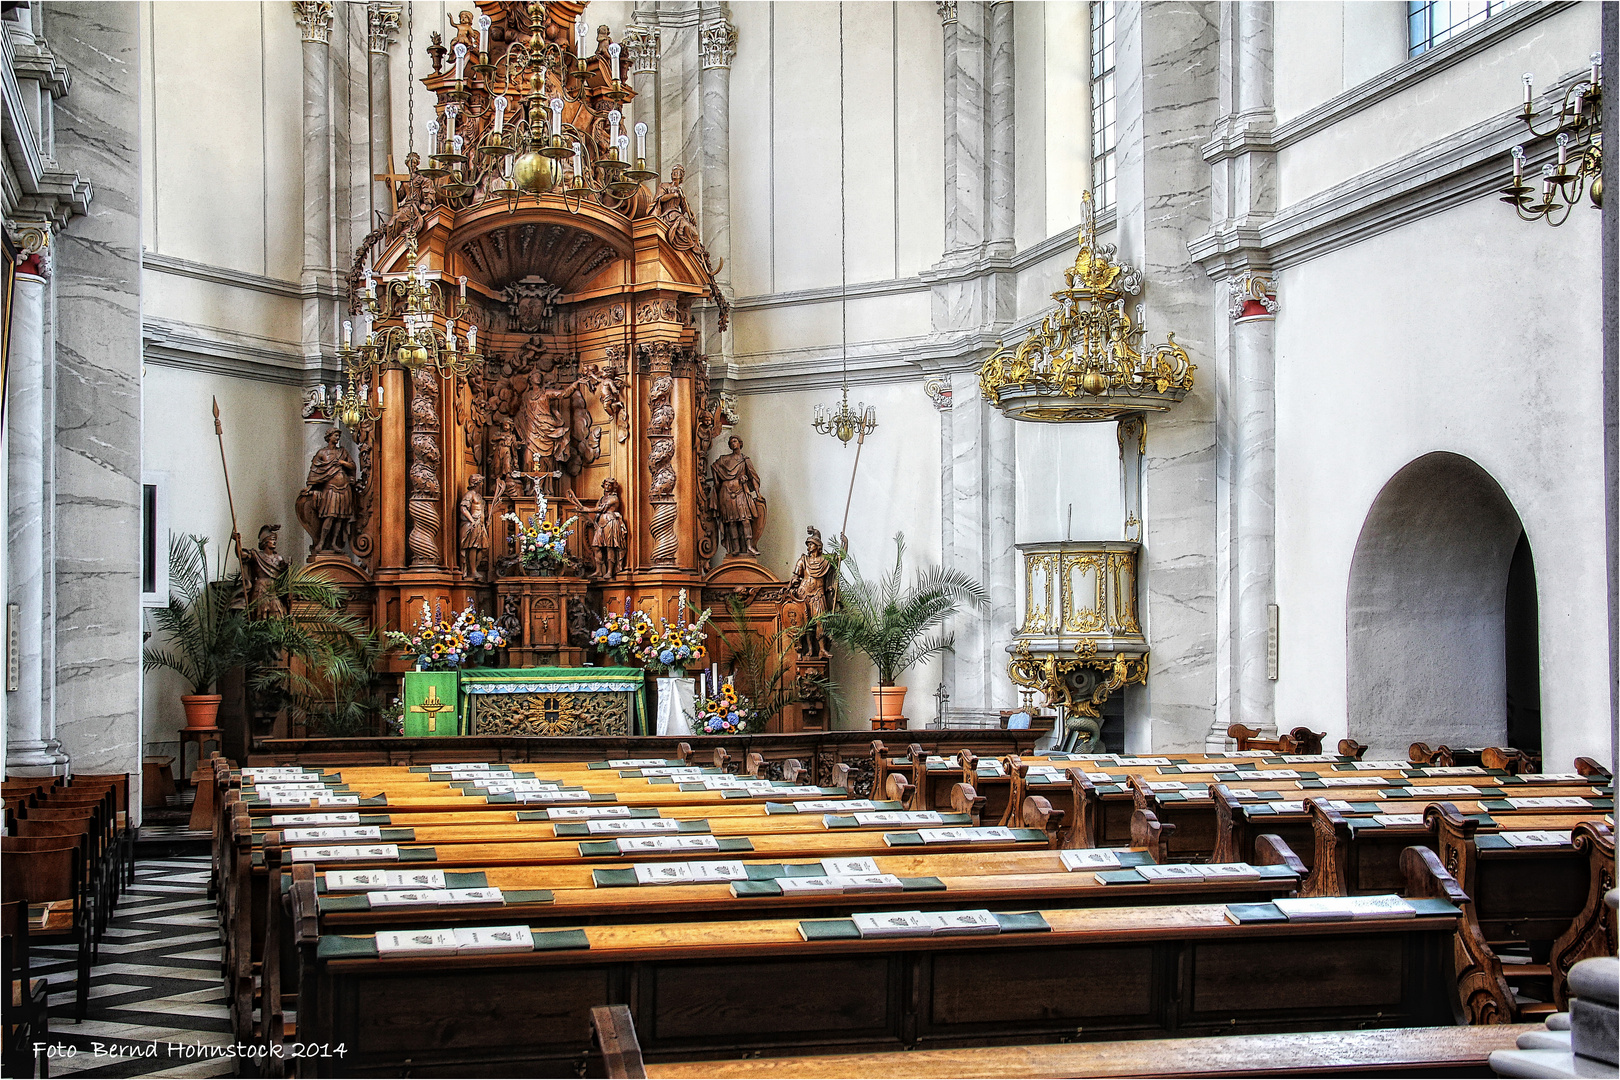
[(1563, 148), (1518, 163), (613, 127), (1546, 183), (581, 29), (613, 59), (456, 144), (484, 22), (556, 116), (462, 281), (500, 113), (461, 59), (371, 283), (472, 338), (1597, 59), (379, 395), (348, 335), (451, 339), (624, 147), (641, 140), (1527, 90), (433, 136), (579, 164)]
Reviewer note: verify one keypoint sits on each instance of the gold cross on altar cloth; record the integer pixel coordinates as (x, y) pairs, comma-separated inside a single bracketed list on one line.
[(432, 706), (551, 710), (392, 179)]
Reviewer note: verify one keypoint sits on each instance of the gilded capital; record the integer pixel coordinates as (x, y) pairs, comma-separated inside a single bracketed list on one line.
[(33, 241), (314, 19), (642, 43), (717, 44), (382, 26), (1254, 296), (947, 11)]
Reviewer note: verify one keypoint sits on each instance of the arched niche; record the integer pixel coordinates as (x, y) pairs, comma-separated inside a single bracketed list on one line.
[(1426, 617)]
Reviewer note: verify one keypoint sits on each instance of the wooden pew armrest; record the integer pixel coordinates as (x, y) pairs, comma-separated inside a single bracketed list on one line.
[(1272, 850), (613, 1032)]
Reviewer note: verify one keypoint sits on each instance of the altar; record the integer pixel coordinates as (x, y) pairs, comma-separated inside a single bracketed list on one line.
[(593, 701)]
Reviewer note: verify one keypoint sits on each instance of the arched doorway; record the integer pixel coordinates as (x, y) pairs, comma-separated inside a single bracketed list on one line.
[(1431, 617)]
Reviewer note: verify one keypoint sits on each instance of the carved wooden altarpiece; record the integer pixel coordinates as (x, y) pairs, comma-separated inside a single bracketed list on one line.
[(591, 377)]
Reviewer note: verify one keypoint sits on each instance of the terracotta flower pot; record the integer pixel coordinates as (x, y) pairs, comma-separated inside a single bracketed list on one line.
[(202, 710), (890, 703)]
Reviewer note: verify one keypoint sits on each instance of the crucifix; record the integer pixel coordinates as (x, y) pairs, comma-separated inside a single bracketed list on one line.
[(432, 706), (393, 180)]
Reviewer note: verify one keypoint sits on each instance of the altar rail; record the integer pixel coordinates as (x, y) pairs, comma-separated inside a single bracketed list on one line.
[(818, 751)]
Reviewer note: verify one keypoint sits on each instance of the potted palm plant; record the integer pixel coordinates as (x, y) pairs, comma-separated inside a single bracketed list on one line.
[(896, 626), (203, 634)]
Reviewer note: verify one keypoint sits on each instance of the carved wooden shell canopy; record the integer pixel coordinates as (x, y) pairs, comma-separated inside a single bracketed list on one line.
[(567, 253)]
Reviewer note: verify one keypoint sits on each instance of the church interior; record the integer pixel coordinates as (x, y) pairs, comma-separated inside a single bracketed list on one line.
[(838, 538)]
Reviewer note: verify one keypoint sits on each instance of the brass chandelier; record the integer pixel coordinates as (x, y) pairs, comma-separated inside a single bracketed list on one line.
[(1578, 132), (1088, 360), (557, 96)]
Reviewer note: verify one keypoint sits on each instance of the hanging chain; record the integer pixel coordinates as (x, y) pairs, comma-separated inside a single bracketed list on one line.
[(410, 78), (843, 222)]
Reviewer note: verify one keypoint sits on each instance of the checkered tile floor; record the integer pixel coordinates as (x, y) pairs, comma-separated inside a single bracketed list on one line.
[(157, 1000)]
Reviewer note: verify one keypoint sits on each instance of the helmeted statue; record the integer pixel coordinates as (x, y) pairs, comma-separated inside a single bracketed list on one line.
[(260, 568), (815, 581)]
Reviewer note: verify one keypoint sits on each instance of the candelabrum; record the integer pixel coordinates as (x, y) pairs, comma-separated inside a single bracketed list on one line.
[(540, 108), (845, 423), (416, 339), (1578, 132)]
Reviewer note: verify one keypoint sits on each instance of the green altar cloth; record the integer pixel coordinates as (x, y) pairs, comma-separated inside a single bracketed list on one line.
[(600, 701)]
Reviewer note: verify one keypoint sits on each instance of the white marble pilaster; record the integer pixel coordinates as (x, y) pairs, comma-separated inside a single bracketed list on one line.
[(97, 409), (1254, 484), (1166, 67), (717, 44), (382, 29), (31, 747), (318, 178), (1001, 157)]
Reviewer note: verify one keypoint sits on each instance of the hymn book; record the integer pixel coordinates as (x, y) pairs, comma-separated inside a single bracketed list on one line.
[(354, 880), (631, 845), (1331, 908), (582, 813), (477, 940), (1091, 858), (352, 818), (335, 854), (966, 835), (356, 832)]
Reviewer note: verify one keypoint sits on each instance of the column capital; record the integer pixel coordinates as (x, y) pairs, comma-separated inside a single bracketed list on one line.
[(33, 240), (382, 26), (1254, 296), (717, 44), (642, 43), (947, 11), (314, 19)]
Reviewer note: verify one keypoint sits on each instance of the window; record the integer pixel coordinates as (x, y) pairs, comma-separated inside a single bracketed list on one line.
[(154, 539), (1102, 103), (1434, 22)]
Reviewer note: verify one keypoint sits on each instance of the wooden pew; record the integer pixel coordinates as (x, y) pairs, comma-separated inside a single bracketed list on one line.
[(1592, 932), (1426, 1051), (1492, 757), (1182, 970), (1301, 740)]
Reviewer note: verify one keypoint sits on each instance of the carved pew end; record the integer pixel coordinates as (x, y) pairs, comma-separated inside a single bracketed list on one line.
[(794, 772), (754, 763), (683, 750), (840, 775), (722, 758), (1037, 813), (1272, 850), (1148, 832), (965, 800), (1351, 749), (898, 788)]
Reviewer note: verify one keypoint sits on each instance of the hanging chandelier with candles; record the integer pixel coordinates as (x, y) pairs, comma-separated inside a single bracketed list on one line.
[(1088, 360), (1577, 131)]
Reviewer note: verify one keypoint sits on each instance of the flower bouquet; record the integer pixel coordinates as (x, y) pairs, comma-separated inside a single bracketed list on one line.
[(439, 644), (621, 636), (674, 646), (541, 544), (726, 713)]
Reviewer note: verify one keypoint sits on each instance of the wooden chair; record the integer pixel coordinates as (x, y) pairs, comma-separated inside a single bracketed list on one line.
[(53, 878), (119, 784), (27, 1004), (1301, 740), (99, 863)]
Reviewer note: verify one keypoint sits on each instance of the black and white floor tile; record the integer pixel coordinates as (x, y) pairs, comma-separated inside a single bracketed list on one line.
[(157, 1002)]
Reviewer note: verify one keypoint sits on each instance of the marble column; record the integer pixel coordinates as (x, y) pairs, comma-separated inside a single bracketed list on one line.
[(717, 44), (1254, 486), (1001, 157), (1167, 60), (382, 25), (97, 409), (31, 746), (965, 151), (315, 22)]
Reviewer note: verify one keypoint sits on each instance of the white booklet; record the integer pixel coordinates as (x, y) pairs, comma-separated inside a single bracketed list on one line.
[(408, 898), (1385, 766), (1170, 872), (792, 790), (850, 867), (624, 826), (271, 772), (1536, 839), (333, 800), (1288, 807), (900, 817), (1302, 758), (315, 819), (689, 873), (1091, 858), (1555, 778), (474, 940), (552, 796), (1353, 781), (637, 763), (1398, 819), (354, 832), (1328, 908), (1229, 871), (356, 880), (985, 834), (865, 883), (1101, 778), (1456, 770), (1144, 761), (673, 770), (1420, 791), (1165, 785), (631, 845), (403, 943), (1550, 802), (473, 896), (460, 766), (482, 774), (345, 854), (1267, 774), (978, 921), (581, 813), (821, 806), (888, 924), (521, 783)]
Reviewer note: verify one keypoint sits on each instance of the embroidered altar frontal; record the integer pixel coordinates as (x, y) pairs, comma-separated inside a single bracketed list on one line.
[(553, 701)]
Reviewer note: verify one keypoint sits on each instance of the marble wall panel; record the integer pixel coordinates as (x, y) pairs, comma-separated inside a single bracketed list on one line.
[(98, 392), (919, 222)]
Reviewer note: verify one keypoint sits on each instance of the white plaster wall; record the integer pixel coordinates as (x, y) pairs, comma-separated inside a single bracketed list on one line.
[(1068, 482), (1326, 47), (1485, 85), (264, 446), (1468, 332), (806, 478)]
